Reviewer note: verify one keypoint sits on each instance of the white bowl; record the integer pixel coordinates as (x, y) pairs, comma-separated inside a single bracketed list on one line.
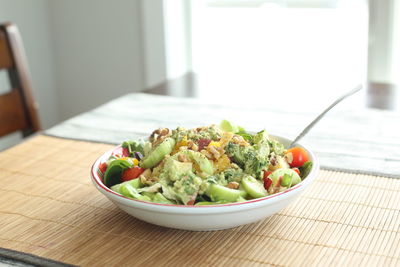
[(206, 218)]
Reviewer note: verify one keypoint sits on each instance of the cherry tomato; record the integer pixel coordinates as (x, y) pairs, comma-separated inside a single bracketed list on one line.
[(131, 173), (296, 156), (296, 170), (103, 167)]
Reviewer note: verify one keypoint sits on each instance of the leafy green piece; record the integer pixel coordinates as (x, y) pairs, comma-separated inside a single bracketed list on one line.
[(114, 172), (305, 169), (134, 146), (228, 126), (246, 136)]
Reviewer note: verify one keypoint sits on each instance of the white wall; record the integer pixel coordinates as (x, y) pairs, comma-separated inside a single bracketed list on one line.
[(31, 17), (97, 51)]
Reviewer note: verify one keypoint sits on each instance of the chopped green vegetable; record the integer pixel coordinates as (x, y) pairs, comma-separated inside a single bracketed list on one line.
[(134, 146), (305, 169), (227, 126), (114, 171)]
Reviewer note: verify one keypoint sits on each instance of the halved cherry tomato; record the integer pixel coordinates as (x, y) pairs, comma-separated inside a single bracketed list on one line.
[(296, 170), (131, 173), (103, 167), (296, 156)]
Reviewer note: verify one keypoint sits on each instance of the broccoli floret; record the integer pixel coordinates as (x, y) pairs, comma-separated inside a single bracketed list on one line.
[(233, 175), (261, 143), (252, 160), (277, 147)]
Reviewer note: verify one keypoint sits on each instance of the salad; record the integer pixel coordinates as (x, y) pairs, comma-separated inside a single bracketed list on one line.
[(203, 166)]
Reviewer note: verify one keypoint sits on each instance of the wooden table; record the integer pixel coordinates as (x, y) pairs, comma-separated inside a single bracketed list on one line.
[(49, 208)]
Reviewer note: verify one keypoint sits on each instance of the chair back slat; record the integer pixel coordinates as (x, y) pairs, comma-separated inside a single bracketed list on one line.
[(12, 115), (18, 110), (5, 55)]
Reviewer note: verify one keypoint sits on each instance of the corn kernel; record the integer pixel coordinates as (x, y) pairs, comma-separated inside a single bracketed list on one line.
[(216, 144), (222, 163), (183, 142)]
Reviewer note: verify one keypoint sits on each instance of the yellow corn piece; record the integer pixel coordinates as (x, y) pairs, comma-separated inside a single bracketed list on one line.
[(135, 162), (225, 138), (216, 144), (222, 163), (183, 142)]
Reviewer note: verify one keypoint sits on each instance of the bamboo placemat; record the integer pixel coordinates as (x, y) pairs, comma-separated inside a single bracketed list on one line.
[(48, 207)]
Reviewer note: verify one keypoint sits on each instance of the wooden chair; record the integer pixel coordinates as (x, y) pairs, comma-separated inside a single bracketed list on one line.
[(18, 110)]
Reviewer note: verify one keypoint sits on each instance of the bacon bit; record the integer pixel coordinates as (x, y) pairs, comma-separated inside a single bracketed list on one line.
[(202, 143)]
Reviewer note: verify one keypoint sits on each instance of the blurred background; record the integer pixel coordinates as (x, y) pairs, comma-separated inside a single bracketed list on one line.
[(83, 53)]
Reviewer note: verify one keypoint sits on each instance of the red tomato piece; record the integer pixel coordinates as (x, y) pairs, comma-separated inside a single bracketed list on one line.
[(191, 202), (267, 183), (131, 173), (296, 156), (121, 152), (266, 174), (103, 167)]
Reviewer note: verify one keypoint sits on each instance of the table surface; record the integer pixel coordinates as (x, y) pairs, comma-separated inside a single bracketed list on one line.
[(359, 140), (349, 216)]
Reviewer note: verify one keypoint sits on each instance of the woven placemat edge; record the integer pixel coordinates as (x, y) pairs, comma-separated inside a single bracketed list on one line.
[(28, 258)]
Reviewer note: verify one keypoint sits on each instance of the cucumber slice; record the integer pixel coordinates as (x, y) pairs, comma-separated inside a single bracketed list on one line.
[(148, 194), (253, 187), (131, 192), (204, 203), (159, 198), (158, 153), (135, 183), (205, 165), (289, 177), (221, 193)]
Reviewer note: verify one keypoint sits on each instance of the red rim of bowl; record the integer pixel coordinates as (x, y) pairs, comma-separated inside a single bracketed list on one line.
[(97, 180)]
